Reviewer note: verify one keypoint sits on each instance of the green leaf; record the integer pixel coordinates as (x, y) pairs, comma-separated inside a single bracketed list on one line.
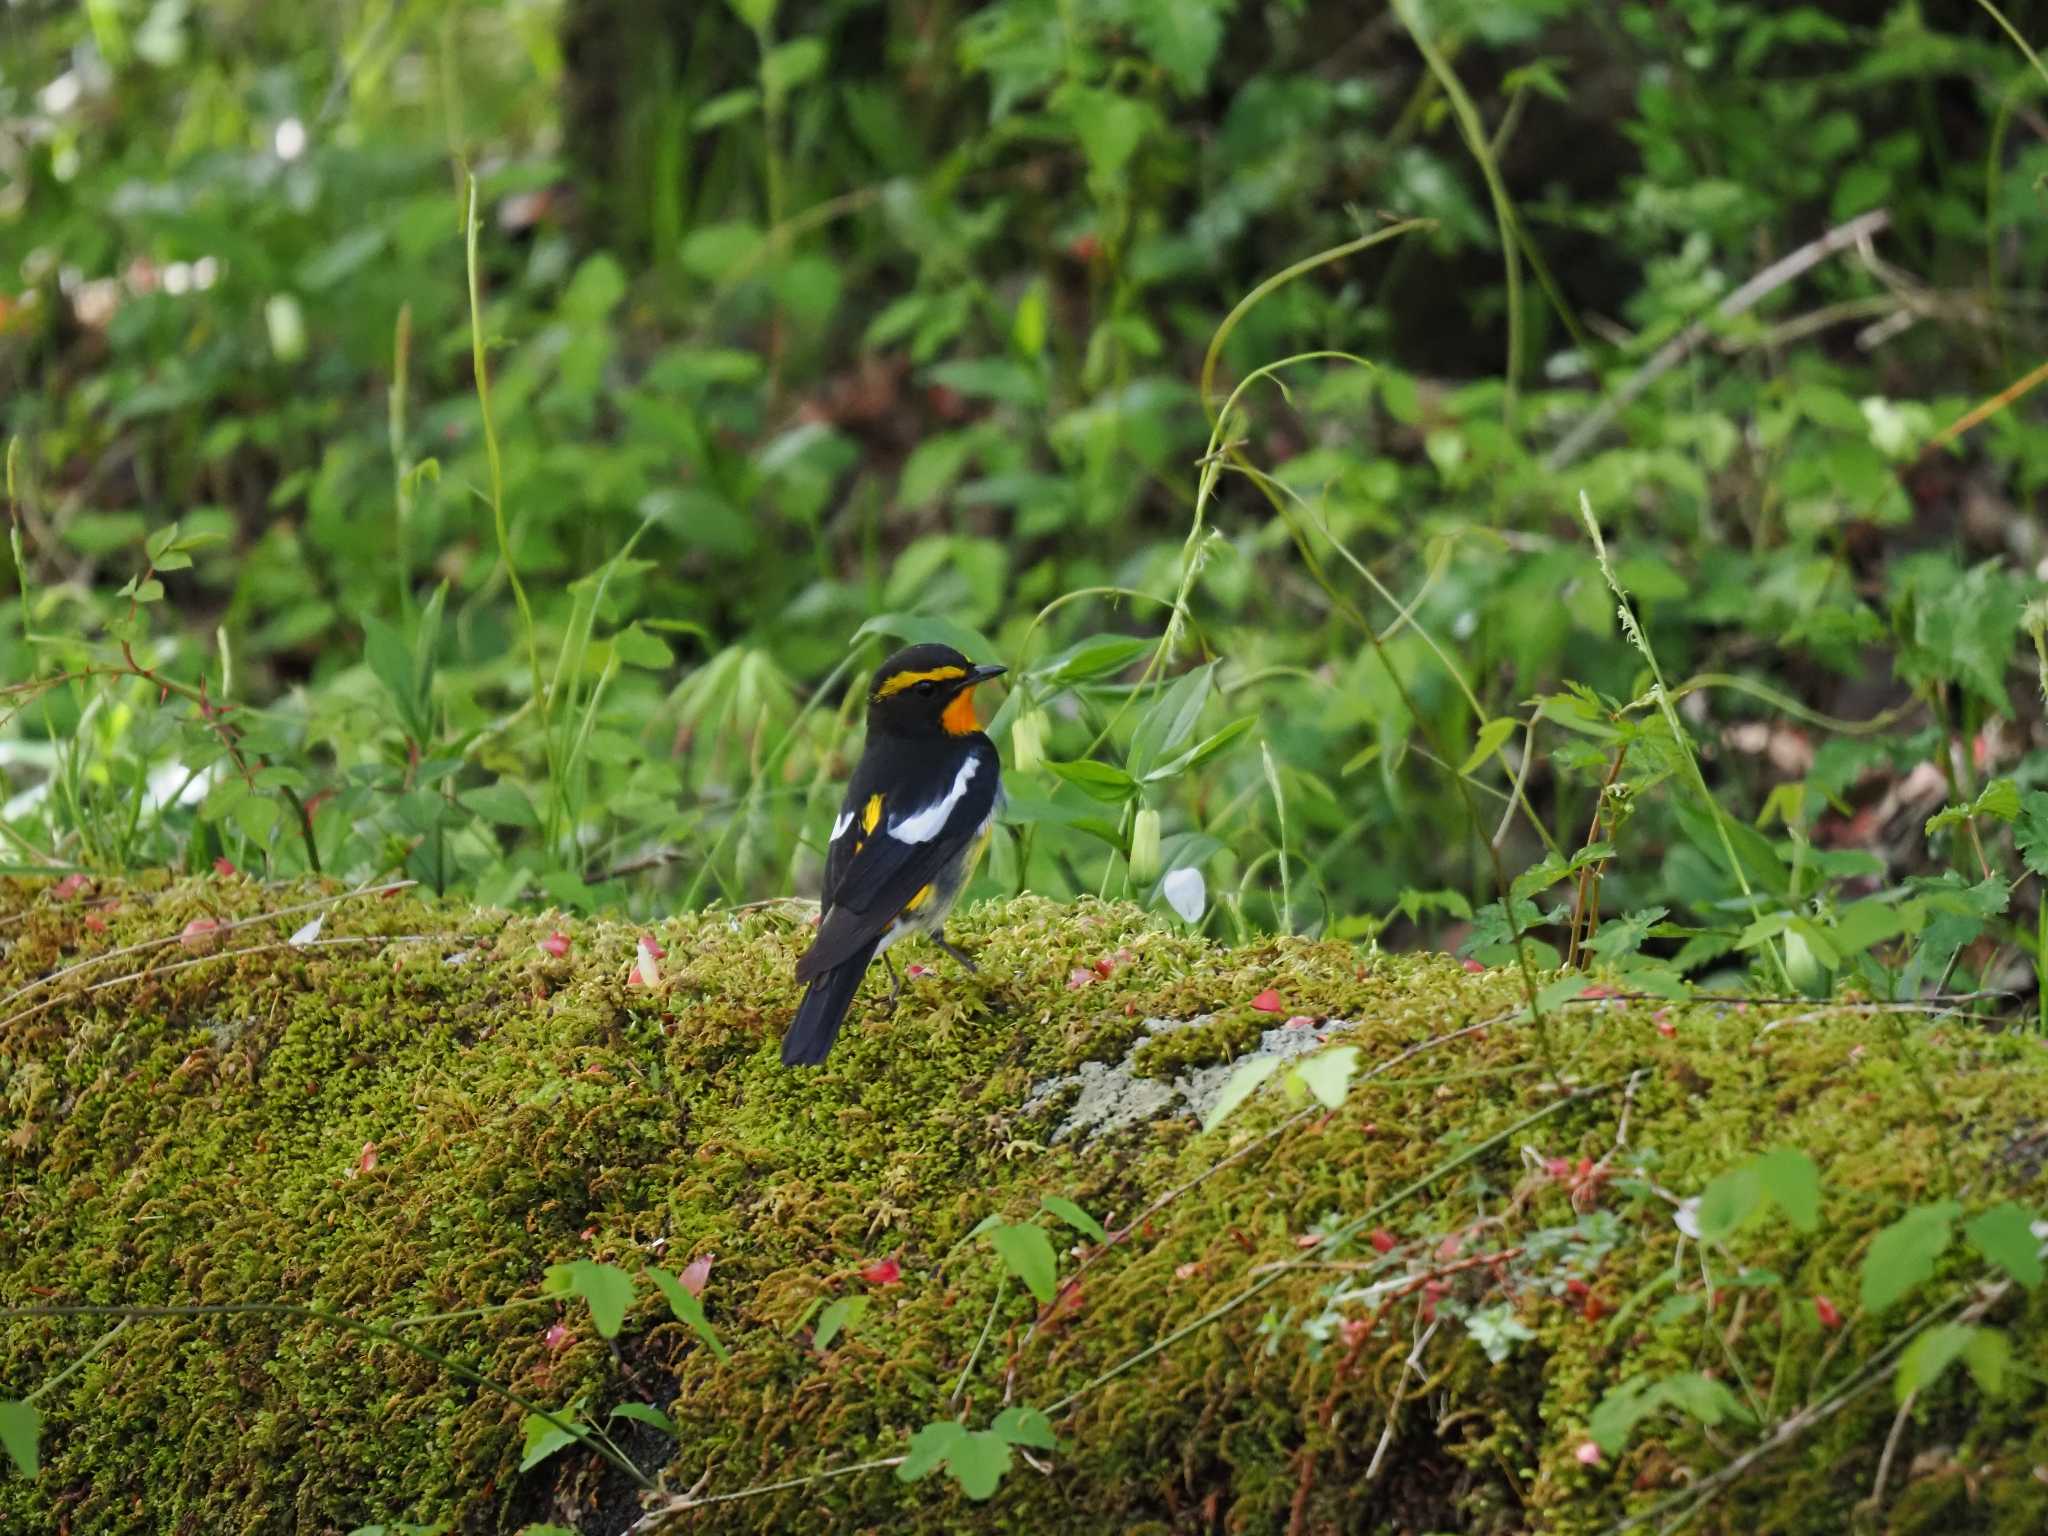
[(1100, 657), (1791, 1180), (1729, 1203), (637, 648), (1328, 1074), (723, 108), (1025, 1426), (757, 14), (1202, 751), (1075, 1217), (1240, 1086), (1492, 737), (607, 1288), (21, 1428), (978, 1463), (1027, 1253), (544, 1439), (2031, 834), (1170, 720), (688, 1309), (2000, 798), (646, 1413), (839, 1315), (930, 1448), (1988, 1355), (503, 804), (1103, 781), (790, 64), (2004, 1235), (1904, 1253), (1928, 1356)]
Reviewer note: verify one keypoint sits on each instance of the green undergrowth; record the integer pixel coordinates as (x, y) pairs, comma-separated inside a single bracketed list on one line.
[(423, 1125)]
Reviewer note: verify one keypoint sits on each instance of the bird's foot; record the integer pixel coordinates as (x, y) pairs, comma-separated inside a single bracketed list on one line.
[(966, 960)]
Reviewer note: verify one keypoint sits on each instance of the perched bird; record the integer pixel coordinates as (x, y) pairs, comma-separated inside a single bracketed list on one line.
[(914, 821)]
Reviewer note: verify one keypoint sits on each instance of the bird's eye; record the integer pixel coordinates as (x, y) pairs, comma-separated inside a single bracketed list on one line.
[(927, 687)]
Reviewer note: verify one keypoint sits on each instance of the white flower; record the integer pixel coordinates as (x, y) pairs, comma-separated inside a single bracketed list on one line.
[(1186, 892)]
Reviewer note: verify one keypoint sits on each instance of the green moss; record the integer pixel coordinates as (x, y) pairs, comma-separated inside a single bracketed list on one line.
[(199, 1134)]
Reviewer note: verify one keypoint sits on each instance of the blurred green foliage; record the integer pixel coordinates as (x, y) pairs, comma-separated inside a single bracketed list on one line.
[(814, 326)]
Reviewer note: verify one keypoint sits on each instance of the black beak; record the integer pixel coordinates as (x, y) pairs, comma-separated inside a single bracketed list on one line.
[(983, 673)]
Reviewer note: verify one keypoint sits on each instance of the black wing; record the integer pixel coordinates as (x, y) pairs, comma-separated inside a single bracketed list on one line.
[(929, 818)]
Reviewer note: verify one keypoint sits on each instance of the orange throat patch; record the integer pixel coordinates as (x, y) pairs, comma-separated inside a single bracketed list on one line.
[(959, 718)]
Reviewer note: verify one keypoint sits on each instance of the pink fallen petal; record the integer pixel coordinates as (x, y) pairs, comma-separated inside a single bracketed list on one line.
[(1299, 1021), (1267, 1001), (1078, 978), (1382, 1240), (556, 944), (224, 868), (883, 1272), (1826, 1311), (95, 922), (367, 1159), (556, 1337), (915, 971), (1473, 966), (199, 934), (1589, 1454), (1187, 1271), (68, 887), (1308, 1239), (649, 945), (697, 1274), (1598, 990), (1354, 1331)]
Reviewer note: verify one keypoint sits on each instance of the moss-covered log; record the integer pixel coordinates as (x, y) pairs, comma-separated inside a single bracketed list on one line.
[(422, 1109)]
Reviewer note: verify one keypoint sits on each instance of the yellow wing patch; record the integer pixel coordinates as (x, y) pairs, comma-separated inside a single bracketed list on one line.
[(924, 895), (902, 680), (871, 814)]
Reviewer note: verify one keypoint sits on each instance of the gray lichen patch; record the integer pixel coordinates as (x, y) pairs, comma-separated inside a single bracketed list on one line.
[(1100, 1097)]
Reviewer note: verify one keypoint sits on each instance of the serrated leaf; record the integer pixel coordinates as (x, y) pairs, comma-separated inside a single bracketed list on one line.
[(1328, 1074), (836, 1318), (1027, 1253), (1492, 737), (1075, 1217), (2030, 833), (1239, 1087), (21, 1431), (606, 1288), (2004, 1235), (1904, 1253), (687, 1308)]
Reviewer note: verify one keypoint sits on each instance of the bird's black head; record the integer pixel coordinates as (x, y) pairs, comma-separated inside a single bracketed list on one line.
[(926, 690)]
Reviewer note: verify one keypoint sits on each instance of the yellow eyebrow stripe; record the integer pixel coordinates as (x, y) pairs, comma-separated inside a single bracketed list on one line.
[(903, 680), (871, 813)]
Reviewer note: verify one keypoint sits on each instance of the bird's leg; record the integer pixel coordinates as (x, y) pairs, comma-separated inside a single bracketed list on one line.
[(966, 960), (896, 977)]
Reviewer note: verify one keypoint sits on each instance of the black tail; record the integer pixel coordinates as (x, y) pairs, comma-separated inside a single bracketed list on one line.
[(811, 1033)]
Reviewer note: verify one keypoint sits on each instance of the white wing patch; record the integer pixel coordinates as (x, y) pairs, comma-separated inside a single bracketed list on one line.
[(922, 826), (839, 827)]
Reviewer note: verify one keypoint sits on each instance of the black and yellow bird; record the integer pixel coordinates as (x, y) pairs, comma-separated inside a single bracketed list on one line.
[(916, 815)]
